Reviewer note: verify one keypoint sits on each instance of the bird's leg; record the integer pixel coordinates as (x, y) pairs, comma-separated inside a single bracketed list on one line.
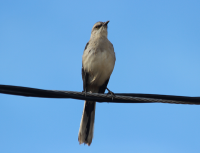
[(85, 92), (110, 93)]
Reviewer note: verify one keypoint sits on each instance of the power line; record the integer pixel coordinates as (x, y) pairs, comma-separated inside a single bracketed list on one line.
[(117, 98)]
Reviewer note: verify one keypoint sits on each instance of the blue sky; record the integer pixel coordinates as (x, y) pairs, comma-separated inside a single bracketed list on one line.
[(157, 45)]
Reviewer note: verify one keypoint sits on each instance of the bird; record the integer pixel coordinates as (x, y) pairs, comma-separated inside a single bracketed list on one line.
[(98, 62)]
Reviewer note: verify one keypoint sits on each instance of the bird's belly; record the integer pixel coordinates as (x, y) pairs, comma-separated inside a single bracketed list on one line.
[(99, 65)]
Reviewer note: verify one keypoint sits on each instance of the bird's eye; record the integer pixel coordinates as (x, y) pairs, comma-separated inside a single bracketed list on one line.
[(98, 26)]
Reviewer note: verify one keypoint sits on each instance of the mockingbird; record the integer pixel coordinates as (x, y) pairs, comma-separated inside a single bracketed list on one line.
[(97, 65)]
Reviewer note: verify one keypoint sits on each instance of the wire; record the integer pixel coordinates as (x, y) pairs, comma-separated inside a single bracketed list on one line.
[(116, 98)]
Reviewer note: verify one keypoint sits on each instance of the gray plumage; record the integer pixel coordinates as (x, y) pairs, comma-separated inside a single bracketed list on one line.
[(97, 65)]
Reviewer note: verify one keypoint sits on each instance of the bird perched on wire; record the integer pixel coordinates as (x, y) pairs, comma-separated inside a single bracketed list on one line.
[(98, 62)]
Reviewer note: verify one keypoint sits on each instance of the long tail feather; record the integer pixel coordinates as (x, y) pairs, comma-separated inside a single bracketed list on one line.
[(87, 123)]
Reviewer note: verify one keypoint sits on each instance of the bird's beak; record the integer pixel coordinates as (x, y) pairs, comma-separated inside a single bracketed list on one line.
[(105, 23)]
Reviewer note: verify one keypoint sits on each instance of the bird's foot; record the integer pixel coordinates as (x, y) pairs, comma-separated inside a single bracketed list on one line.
[(85, 92), (111, 93)]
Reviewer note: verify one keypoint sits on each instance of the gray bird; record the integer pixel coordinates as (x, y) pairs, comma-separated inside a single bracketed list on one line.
[(98, 62)]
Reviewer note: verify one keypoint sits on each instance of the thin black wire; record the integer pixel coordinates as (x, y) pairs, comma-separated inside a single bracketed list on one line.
[(117, 98)]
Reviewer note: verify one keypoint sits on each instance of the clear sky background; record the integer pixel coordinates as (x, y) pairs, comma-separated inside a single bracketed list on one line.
[(157, 45)]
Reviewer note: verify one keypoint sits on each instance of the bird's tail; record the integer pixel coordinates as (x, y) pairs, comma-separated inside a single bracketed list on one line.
[(86, 130)]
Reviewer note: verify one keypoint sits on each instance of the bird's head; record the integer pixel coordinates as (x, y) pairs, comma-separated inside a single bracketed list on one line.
[(100, 29)]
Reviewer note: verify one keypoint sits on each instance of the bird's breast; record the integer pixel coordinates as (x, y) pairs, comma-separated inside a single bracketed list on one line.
[(99, 65)]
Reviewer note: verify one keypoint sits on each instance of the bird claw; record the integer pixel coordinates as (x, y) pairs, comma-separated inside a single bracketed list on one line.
[(85, 92), (111, 93)]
